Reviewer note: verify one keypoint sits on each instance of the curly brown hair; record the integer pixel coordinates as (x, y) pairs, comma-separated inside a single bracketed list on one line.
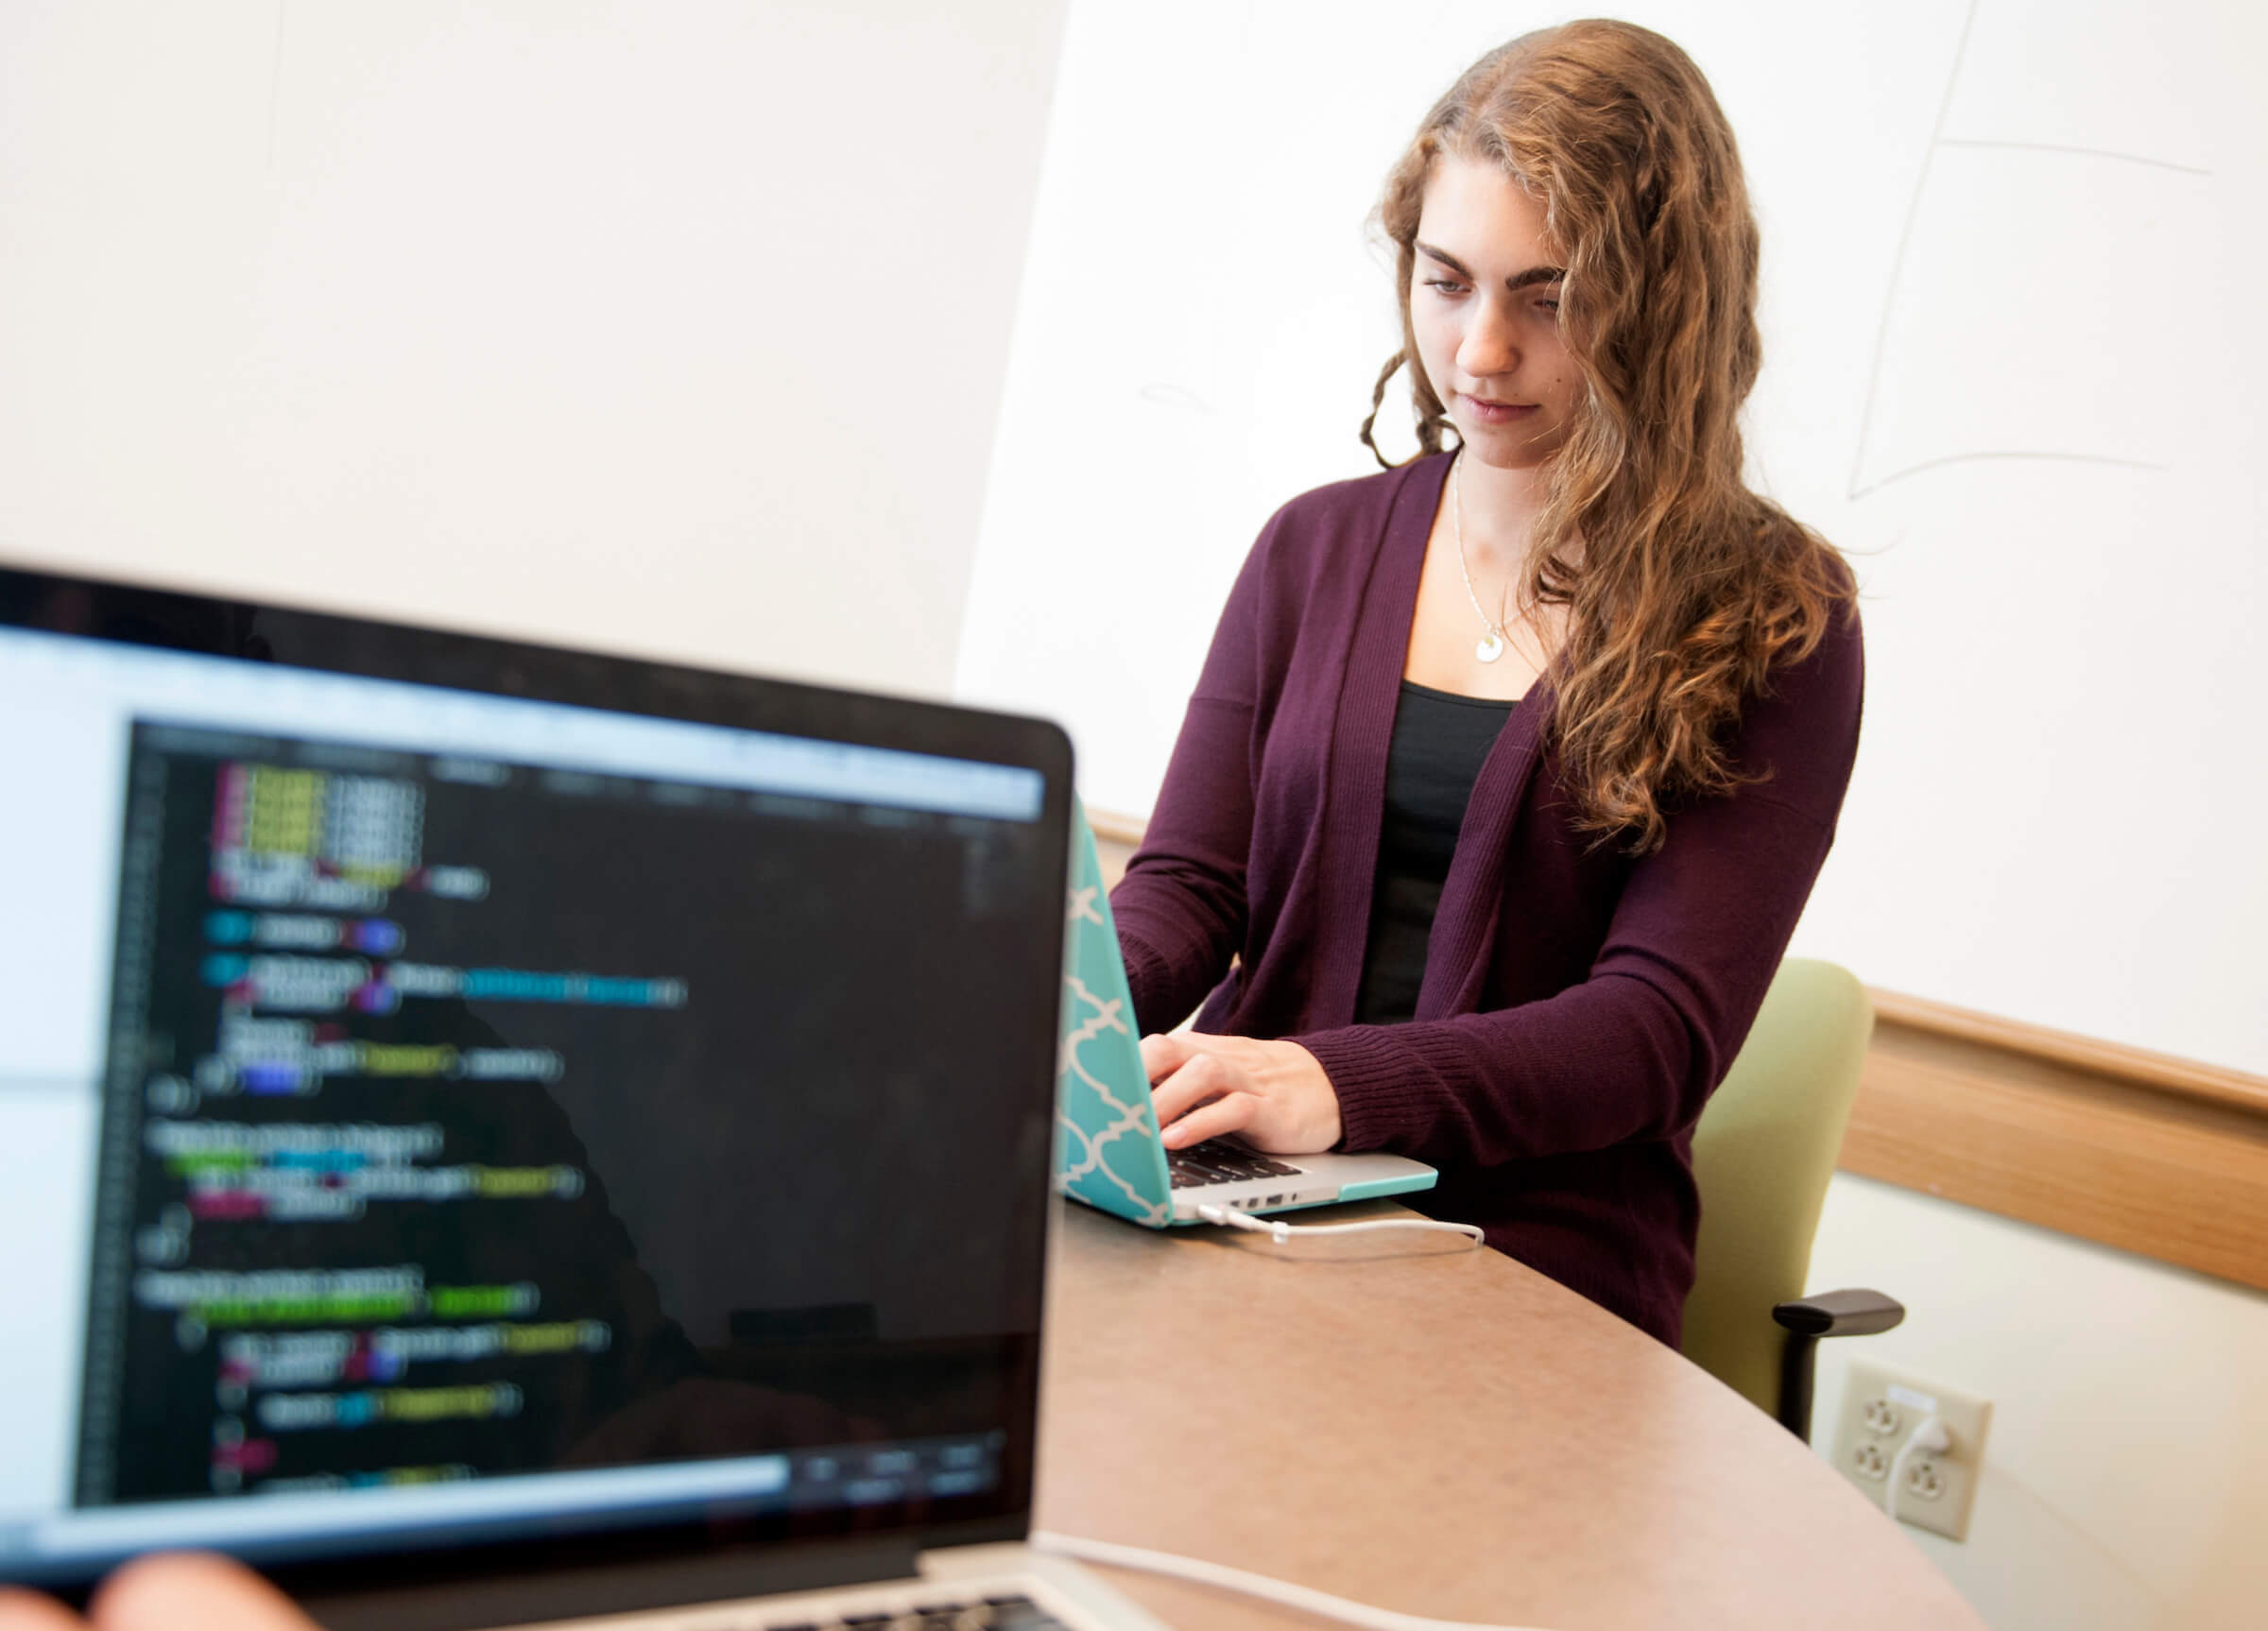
[(1684, 588)]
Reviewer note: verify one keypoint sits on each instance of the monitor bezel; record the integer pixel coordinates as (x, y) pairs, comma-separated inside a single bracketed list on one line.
[(790, 1547)]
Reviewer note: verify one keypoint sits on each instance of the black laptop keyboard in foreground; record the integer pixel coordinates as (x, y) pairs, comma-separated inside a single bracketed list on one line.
[(1218, 1161), (986, 1614)]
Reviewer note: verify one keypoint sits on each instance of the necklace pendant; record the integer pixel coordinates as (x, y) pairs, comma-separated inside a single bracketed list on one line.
[(1491, 646)]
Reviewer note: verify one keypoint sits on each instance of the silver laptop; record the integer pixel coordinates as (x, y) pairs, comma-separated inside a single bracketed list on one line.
[(493, 1135), (1109, 1152)]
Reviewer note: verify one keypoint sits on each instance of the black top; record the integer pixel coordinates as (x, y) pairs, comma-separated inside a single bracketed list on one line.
[(1439, 742)]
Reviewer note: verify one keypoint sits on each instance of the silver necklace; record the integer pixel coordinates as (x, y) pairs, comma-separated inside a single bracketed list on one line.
[(1491, 644)]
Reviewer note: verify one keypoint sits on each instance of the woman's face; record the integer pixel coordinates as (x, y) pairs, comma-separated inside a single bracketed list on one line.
[(1484, 306)]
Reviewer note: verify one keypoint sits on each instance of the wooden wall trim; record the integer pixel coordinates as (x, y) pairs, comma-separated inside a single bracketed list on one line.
[(1111, 827), (2157, 1156), (2113, 1062), (2164, 1156)]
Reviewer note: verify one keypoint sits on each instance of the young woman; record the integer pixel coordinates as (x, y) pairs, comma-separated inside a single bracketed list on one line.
[(1510, 768)]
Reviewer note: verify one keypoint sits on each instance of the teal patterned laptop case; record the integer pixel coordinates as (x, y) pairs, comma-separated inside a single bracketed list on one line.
[(1108, 1152)]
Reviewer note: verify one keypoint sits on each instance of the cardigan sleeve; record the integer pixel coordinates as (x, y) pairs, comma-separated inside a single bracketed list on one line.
[(1633, 1051), (1182, 909)]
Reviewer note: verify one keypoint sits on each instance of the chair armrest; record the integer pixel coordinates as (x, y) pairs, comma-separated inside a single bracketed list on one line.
[(1840, 1314), (1808, 1319)]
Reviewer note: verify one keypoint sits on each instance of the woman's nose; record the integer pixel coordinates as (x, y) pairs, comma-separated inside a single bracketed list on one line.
[(1489, 346)]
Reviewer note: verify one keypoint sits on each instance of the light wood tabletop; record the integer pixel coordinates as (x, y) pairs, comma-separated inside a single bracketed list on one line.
[(1404, 1420)]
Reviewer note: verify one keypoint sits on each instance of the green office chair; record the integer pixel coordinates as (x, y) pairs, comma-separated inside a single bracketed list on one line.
[(1763, 1153)]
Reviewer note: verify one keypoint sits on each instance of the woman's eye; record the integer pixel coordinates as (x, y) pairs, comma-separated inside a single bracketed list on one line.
[(1549, 308), (1445, 285)]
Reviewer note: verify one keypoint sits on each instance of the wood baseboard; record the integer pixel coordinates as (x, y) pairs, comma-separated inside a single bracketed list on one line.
[(2161, 1156)]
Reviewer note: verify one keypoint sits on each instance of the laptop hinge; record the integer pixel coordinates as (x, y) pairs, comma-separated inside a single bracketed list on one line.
[(481, 1602)]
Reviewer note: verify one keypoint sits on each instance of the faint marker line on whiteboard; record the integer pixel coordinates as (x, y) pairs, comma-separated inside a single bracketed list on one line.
[(2083, 152), (1905, 240), (2012, 453), (1168, 394)]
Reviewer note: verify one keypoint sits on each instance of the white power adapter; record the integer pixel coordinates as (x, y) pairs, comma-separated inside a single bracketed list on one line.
[(1279, 1231)]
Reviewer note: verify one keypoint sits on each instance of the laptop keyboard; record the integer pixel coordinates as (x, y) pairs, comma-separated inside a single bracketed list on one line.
[(1218, 1161), (983, 1614)]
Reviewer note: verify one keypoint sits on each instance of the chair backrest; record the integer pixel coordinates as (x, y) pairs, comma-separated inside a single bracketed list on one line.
[(1762, 1153)]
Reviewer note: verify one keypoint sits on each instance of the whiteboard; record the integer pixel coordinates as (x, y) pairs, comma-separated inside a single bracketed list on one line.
[(2013, 344)]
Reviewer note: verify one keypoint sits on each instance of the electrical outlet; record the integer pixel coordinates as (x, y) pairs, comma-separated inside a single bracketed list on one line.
[(1882, 1408)]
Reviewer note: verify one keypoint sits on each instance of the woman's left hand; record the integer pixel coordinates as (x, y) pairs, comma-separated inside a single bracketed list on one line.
[(1274, 1095)]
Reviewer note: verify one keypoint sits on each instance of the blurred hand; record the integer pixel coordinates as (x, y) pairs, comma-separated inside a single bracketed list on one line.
[(172, 1591), (1274, 1095)]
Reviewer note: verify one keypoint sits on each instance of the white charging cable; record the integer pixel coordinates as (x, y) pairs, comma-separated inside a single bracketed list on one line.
[(1279, 1231), (1219, 1576), (1929, 1438)]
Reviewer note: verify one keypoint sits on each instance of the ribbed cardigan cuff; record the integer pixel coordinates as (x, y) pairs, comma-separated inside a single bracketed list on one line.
[(1379, 1080), (1149, 978)]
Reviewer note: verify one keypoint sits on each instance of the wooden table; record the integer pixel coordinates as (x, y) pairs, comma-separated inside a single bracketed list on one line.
[(1435, 1430)]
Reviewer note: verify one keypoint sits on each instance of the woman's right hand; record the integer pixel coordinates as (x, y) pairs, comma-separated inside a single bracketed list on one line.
[(1274, 1095)]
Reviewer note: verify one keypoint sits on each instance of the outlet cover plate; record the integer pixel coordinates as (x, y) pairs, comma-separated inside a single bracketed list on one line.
[(1882, 1405)]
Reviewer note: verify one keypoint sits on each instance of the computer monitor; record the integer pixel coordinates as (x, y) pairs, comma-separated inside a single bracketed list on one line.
[(458, 1096)]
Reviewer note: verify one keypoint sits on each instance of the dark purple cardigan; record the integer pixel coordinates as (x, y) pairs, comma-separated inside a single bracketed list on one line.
[(1578, 1005)]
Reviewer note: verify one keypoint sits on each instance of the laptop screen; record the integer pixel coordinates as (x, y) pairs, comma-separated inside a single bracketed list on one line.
[(436, 1115)]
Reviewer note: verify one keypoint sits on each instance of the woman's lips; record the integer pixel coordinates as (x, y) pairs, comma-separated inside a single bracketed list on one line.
[(1497, 413)]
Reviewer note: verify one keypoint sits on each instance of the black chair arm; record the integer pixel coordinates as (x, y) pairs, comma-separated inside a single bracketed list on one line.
[(1840, 1314), (1808, 1318)]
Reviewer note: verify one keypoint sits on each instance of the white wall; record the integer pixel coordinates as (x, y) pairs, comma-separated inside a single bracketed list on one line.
[(2125, 1486), (2054, 812), (672, 327)]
